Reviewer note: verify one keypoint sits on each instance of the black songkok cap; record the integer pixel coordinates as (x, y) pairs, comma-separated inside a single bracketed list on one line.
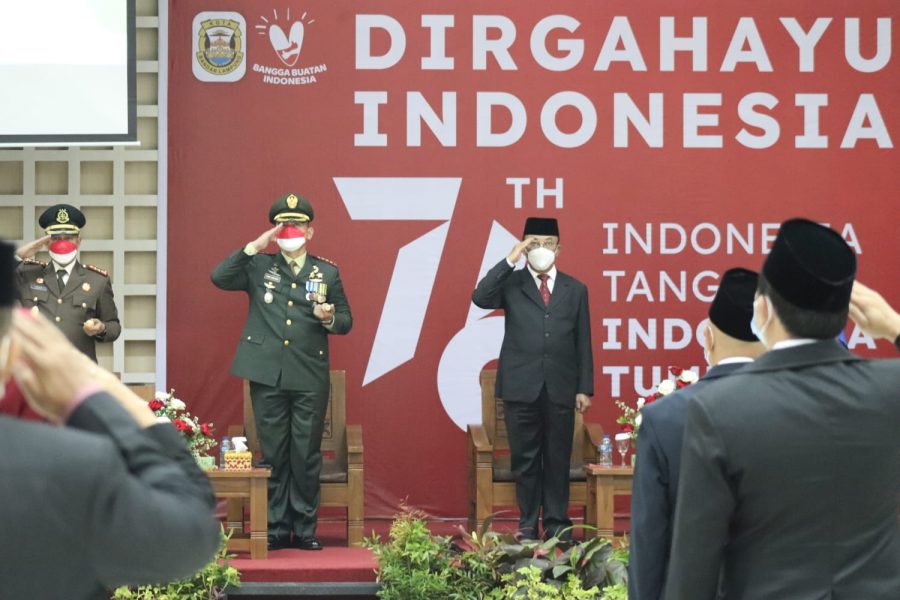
[(540, 226), (811, 266), (7, 276), (62, 219), (291, 207), (732, 308)]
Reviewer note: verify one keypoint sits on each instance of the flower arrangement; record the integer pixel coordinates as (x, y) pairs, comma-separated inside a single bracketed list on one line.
[(630, 419), (199, 437)]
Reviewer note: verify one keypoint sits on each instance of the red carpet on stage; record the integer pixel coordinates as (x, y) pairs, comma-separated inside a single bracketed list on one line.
[(333, 564)]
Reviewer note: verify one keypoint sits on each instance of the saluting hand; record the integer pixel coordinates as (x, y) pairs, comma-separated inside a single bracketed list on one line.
[(871, 312), (32, 248), (50, 371), (519, 249), (263, 241)]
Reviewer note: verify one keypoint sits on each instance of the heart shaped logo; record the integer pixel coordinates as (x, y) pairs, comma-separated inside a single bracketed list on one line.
[(287, 47)]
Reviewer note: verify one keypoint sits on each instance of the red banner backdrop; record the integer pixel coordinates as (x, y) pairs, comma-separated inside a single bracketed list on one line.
[(669, 142)]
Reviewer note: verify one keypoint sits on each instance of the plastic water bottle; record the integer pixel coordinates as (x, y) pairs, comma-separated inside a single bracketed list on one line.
[(226, 447), (606, 459)]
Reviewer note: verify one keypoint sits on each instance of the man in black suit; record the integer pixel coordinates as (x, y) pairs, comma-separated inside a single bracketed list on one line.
[(546, 371), (111, 498), (790, 470), (729, 345)]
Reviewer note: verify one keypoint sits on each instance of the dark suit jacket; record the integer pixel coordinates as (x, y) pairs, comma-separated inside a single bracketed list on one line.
[(88, 295), (790, 478), (282, 341), (98, 504), (655, 485), (541, 344)]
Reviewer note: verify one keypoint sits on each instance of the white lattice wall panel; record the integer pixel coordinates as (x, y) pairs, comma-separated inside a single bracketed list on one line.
[(117, 189)]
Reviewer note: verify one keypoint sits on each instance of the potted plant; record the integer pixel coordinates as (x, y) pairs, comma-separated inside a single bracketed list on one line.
[(209, 583), (414, 563)]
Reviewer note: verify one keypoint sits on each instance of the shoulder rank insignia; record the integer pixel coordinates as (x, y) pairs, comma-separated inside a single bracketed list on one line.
[(96, 270), (324, 260), (34, 261)]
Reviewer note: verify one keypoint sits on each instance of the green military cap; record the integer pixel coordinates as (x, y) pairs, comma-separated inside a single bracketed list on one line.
[(62, 219), (291, 207)]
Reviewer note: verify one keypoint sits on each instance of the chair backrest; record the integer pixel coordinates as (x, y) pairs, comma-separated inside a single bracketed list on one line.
[(144, 391), (334, 435), (495, 426)]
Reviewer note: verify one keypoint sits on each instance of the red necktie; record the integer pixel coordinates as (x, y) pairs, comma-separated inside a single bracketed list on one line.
[(545, 290)]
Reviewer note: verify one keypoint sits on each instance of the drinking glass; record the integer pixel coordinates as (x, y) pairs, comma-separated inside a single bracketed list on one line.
[(623, 441)]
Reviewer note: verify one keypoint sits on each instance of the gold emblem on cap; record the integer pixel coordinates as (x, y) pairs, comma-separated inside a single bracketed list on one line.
[(86, 286), (292, 201), (62, 216)]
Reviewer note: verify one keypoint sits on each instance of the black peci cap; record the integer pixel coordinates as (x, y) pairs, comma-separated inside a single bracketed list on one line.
[(540, 226), (62, 219), (811, 266), (291, 207), (732, 308)]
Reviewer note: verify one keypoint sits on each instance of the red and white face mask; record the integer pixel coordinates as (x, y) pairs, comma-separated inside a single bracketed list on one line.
[(290, 238), (63, 251)]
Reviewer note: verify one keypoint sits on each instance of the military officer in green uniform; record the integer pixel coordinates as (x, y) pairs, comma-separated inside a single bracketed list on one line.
[(296, 301), (77, 297)]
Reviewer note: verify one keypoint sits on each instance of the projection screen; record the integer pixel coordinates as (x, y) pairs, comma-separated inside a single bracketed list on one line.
[(67, 72)]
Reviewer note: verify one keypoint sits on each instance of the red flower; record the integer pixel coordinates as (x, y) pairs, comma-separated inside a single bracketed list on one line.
[(206, 429), (628, 428), (155, 404), (183, 426), (676, 371), (680, 384), (649, 399)]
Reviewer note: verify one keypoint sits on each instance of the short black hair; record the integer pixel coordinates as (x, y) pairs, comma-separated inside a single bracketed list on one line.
[(804, 322)]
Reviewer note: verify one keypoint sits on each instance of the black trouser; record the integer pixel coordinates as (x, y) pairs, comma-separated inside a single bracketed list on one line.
[(289, 424), (540, 442)]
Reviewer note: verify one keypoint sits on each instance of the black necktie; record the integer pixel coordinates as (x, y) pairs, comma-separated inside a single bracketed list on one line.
[(61, 276)]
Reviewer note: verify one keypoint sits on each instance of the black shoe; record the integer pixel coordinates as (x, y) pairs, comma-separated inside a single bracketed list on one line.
[(279, 542), (308, 543)]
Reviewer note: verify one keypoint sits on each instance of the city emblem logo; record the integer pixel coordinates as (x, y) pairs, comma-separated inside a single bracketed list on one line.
[(219, 46), (286, 34)]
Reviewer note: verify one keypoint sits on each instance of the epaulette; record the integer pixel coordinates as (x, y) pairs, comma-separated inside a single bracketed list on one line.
[(96, 270), (34, 261), (324, 260)]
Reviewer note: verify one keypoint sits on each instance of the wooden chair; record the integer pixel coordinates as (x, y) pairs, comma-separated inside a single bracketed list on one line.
[(144, 391), (490, 478), (342, 456)]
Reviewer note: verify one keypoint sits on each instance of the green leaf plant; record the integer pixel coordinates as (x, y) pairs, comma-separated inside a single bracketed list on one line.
[(209, 583), (416, 564)]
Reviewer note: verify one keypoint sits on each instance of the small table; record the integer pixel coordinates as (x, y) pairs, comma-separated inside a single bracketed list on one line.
[(603, 485), (235, 486)]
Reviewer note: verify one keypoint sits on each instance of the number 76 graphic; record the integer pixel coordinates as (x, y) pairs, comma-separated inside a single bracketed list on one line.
[(412, 281)]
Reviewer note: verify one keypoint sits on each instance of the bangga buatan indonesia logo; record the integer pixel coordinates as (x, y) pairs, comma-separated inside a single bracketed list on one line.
[(286, 34)]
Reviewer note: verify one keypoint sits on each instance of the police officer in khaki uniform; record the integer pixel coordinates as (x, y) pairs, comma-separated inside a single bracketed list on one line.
[(77, 297), (296, 300)]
